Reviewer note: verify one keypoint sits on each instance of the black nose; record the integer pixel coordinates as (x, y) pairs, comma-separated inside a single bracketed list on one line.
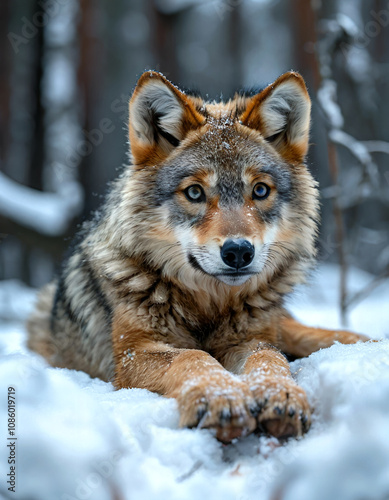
[(237, 253)]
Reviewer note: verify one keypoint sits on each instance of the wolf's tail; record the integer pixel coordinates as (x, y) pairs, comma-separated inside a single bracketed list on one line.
[(40, 338)]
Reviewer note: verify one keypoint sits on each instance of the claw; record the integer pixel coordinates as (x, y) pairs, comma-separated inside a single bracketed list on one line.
[(304, 421), (201, 414), (225, 416), (278, 411), (255, 409)]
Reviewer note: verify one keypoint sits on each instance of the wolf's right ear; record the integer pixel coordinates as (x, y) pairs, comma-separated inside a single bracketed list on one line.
[(160, 118), (281, 113)]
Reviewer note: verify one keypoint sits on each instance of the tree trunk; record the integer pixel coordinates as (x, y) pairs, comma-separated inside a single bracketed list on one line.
[(5, 80), (35, 175)]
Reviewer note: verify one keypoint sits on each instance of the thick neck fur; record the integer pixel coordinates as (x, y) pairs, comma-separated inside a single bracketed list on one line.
[(150, 260), (138, 271)]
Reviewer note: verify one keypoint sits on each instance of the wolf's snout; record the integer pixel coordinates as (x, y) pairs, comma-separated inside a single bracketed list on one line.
[(237, 253)]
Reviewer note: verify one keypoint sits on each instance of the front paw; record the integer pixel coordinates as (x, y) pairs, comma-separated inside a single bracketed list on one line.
[(222, 403), (283, 409), (345, 337)]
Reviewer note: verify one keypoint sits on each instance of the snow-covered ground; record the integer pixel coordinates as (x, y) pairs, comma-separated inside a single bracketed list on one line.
[(77, 438)]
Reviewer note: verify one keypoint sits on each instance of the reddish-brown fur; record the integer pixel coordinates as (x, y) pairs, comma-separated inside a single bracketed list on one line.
[(215, 347)]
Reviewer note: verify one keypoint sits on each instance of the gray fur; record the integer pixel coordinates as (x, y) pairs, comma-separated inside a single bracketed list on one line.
[(122, 259)]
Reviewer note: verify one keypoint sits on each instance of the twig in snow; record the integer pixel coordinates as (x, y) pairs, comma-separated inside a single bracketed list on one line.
[(366, 290)]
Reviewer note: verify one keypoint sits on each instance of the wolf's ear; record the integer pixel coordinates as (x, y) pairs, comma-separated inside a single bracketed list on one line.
[(281, 112), (160, 118)]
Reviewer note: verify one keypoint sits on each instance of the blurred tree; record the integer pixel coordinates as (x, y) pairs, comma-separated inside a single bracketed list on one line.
[(164, 38), (5, 82), (91, 81), (78, 70), (37, 144)]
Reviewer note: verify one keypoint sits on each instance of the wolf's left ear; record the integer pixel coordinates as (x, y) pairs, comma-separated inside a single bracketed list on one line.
[(281, 112), (160, 118)]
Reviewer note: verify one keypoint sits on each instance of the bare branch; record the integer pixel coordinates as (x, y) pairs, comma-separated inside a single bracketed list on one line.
[(358, 150), (46, 213), (366, 290), (376, 146)]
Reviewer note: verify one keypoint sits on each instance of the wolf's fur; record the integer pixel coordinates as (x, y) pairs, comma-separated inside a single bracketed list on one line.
[(145, 300)]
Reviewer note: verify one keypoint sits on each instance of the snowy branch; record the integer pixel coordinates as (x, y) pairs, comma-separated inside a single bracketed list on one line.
[(376, 146), (339, 35), (353, 300), (359, 150), (46, 213)]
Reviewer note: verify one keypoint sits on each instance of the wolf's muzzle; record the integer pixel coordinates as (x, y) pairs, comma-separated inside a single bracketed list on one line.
[(237, 253)]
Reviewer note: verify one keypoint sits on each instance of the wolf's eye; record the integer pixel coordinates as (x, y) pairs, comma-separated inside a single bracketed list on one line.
[(261, 191), (195, 193)]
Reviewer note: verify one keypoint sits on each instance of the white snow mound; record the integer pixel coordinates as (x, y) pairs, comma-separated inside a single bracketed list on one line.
[(77, 438)]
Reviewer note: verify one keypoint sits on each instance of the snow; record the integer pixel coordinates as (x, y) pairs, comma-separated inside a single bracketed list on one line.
[(47, 213), (77, 438), (326, 96)]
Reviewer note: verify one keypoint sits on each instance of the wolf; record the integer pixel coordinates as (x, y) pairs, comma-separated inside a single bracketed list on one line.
[(178, 284)]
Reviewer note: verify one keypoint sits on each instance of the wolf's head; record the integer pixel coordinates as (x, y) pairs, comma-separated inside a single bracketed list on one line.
[(219, 191)]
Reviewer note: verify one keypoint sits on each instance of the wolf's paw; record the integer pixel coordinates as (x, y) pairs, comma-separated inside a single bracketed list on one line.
[(222, 403), (283, 409), (345, 337)]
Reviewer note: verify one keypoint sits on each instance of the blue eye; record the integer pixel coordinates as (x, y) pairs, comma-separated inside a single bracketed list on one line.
[(261, 191), (195, 193)]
